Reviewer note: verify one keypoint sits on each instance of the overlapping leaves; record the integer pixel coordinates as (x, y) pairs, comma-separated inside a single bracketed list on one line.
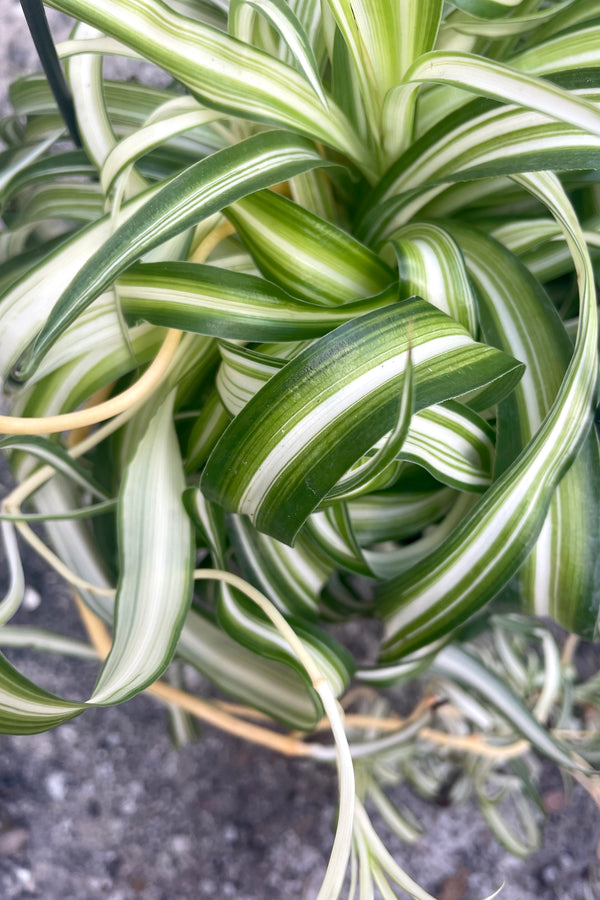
[(373, 380)]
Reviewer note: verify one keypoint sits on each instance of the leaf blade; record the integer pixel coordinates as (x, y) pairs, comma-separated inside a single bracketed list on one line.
[(293, 441), (474, 563), (196, 193), (156, 580)]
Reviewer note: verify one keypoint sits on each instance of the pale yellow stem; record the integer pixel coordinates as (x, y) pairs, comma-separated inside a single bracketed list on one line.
[(388, 724), (99, 396), (13, 501), (591, 783), (212, 240), (569, 649), (84, 417), (271, 611), (281, 743), (352, 720), (242, 712), (574, 734), (138, 391), (203, 710), (361, 691), (376, 723), (57, 564), (473, 743)]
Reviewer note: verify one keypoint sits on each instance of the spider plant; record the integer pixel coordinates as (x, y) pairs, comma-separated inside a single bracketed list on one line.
[(309, 335)]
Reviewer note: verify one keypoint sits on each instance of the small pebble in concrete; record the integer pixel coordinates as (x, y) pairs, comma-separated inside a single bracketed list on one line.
[(26, 880), (55, 785), (13, 841), (31, 598), (181, 844)]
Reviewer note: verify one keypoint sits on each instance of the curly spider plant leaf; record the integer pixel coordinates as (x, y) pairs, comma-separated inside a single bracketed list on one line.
[(251, 83), (486, 550), (561, 576), (315, 417), (157, 559), (195, 194)]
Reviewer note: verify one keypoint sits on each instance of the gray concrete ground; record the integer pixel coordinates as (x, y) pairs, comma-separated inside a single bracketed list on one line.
[(104, 807)]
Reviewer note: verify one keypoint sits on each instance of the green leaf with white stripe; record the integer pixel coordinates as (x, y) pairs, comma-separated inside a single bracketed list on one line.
[(383, 460), (572, 51), (52, 453), (487, 78), (282, 19), (59, 208), (561, 576), (459, 665), (310, 15), (240, 618), (269, 686), (294, 440), (15, 163), (71, 202), (27, 305), (175, 117), (230, 305), (129, 104), (209, 519), (82, 373), (383, 41), (517, 827), (517, 25), (402, 511), (292, 577), (477, 141), (453, 443), (520, 237), (430, 265), (93, 122), (251, 84), (156, 560), (241, 374), (82, 512), (449, 439), (195, 194), (45, 641), (480, 557), (386, 562), (575, 13), (331, 531), (309, 257), (487, 9), (26, 708), (208, 428), (15, 591), (346, 89)]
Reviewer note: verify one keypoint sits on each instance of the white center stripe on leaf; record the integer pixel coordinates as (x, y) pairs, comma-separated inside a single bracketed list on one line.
[(544, 567), (470, 557), (522, 343), (304, 432)]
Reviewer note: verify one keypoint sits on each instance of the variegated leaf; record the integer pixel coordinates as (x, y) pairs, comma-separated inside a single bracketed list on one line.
[(319, 414), (156, 578)]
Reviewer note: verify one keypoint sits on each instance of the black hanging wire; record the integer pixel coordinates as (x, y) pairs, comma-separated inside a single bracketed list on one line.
[(35, 16)]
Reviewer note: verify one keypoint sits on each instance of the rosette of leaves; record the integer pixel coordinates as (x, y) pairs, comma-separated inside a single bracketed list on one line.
[(313, 325)]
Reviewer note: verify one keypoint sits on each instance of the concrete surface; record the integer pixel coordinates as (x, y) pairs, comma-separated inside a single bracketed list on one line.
[(104, 807)]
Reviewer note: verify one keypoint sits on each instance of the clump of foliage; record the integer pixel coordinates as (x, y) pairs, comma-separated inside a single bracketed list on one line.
[(310, 335)]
